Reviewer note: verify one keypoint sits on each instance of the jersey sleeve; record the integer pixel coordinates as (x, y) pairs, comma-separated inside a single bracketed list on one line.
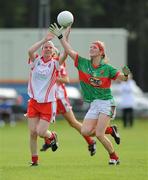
[(32, 63), (113, 73), (76, 60), (80, 62), (29, 60)]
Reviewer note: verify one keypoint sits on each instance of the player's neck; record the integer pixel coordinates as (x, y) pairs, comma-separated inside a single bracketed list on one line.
[(96, 61), (47, 58)]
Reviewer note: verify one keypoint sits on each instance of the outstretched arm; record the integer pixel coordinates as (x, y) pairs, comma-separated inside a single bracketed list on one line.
[(67, 47), (63, 79), (124, 75), (63, 55), (37, 45)]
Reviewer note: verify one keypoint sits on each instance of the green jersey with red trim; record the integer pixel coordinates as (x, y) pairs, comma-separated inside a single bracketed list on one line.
[(95, 81)]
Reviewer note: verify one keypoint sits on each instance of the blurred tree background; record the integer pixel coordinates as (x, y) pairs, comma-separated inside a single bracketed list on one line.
[(129, 14)]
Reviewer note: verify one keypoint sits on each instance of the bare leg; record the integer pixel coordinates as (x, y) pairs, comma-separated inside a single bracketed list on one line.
[(69, 116), (49, 137), (42, 129), (32, 124), (89, 127), (73, 122), (102, 124)]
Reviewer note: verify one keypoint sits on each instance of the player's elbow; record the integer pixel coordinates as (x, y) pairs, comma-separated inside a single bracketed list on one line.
[(30, 52)]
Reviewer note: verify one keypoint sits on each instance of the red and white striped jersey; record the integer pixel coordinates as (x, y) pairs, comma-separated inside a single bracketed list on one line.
[(42, 81), (61, 89)]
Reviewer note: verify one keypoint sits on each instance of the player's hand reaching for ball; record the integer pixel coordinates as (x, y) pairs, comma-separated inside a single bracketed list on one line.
[(57, 31)]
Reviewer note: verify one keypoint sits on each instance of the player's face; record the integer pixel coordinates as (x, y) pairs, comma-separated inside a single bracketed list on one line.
[(94, 50), (47, 49)]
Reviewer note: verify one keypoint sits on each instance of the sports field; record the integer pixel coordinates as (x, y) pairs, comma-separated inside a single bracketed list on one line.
[(72, 160)]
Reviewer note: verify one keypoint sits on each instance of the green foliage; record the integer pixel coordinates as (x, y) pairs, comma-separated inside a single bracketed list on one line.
[(84, 11), (12, 13), (94, 13), (72, 161), (129, 14)]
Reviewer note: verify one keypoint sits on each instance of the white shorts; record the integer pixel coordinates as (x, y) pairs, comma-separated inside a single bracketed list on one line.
[(107, 107)]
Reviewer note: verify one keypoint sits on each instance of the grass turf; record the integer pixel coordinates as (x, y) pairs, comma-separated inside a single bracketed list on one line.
[(72, 160)]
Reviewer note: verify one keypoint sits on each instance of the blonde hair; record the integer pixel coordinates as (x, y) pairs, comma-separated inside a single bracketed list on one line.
[(56, 52), (50, 43), (106, 59)]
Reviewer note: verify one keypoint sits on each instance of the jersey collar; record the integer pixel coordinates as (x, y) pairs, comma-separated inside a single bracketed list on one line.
[(42, 58), (101, 63)]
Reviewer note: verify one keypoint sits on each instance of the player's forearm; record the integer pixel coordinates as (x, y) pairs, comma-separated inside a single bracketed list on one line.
[(67, 47), (63, 79), (36, 46), (62, 57)]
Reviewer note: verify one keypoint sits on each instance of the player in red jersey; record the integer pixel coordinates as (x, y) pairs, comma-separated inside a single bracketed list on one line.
[(41, 108)]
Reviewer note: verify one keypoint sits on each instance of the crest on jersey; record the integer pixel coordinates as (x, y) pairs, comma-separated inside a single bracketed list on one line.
[(95, 81)]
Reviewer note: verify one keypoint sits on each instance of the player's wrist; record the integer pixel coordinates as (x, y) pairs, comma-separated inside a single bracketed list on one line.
[(125, 77), (44, 40), (60, 36)]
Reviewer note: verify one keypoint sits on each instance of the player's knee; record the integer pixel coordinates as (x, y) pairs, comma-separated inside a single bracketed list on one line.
[(86, 131), (33, 133), (100, 135), (41, 132)]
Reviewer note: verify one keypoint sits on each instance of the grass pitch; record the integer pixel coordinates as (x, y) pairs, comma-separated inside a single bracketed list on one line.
[(72, 160)]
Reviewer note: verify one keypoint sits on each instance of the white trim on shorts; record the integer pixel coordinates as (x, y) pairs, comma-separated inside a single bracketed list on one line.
[(54, 108), (66, 104)]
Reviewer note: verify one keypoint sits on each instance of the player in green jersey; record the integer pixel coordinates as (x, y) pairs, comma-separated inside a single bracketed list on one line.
[(95, 76)]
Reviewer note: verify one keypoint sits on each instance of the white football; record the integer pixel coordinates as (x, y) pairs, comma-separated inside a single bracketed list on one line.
[(65, 18)]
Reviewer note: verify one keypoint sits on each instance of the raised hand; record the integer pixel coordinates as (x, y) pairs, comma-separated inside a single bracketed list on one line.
[(54, 29), (126, 70)]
